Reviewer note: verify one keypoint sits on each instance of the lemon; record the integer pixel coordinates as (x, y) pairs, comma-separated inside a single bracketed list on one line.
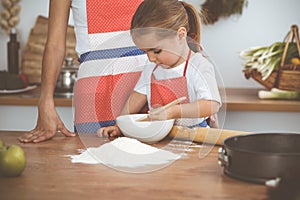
[(295, 61)]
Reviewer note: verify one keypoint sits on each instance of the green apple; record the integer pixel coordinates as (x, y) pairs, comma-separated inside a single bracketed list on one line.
[(12, 161)]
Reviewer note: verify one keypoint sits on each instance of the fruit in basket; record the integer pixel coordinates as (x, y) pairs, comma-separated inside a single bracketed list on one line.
[(12, 161), (295, 61), (267, 58)]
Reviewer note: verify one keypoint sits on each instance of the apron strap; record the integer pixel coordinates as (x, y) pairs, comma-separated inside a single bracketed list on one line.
[(185, 67), (187, 63)]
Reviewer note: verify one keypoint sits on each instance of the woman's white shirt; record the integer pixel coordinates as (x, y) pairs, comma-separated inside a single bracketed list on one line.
[(80, 26)]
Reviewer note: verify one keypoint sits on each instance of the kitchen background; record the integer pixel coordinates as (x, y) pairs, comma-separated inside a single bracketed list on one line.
[(262, 23)]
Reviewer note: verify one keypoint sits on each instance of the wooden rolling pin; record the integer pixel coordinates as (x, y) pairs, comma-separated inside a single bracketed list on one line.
[(204, 135)]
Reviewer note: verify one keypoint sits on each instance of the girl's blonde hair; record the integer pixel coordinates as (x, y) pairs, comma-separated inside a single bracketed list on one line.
[(171, 15)]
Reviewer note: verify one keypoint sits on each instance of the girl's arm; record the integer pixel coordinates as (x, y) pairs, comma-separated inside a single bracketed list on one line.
[(196, 109), (134, 104)]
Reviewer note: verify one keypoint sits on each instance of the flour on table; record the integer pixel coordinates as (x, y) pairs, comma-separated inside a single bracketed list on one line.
[(125, 152)]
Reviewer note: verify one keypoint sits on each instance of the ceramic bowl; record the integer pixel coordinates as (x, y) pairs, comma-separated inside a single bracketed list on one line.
[(144, 131)]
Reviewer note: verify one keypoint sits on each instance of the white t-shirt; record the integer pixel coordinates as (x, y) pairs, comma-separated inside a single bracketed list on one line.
[(80, 26), (201, 81)]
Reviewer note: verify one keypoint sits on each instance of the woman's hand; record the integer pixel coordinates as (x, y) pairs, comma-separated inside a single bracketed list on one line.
[(48, 124), (109, 131)]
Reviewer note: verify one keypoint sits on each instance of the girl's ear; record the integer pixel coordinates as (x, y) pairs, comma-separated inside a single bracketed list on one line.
[(182, 33)]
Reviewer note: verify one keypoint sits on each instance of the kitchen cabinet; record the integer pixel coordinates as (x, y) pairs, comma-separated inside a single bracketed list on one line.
[(24, 117), (19, 111), (241, 110), (50, 174)]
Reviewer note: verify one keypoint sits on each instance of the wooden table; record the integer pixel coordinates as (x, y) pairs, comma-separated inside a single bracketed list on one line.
[(50, 174)]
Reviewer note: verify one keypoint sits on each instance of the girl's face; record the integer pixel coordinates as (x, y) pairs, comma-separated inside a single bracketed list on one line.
[(167, 52)]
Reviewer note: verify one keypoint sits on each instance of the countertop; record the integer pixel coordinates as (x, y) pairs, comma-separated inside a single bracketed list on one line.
[(31, 98), (50, 174), (235, 99)]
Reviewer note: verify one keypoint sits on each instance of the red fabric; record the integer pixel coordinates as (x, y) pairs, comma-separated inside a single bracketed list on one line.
[(110, 15), (83, 101), (165, 91), (102, 98)]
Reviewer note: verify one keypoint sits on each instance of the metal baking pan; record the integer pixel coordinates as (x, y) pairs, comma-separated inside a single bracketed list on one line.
[(260, 157)]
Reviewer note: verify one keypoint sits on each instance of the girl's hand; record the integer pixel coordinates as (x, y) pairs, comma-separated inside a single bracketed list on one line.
[(162, 114), (109, 131)]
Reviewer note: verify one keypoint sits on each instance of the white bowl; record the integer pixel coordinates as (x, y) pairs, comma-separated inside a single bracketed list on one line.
[(145, 131)]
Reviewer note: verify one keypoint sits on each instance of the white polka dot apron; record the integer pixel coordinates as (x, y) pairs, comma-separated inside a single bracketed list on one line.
[(109, 72)]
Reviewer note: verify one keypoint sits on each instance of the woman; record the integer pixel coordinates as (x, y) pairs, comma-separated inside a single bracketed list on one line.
[(96, 24)]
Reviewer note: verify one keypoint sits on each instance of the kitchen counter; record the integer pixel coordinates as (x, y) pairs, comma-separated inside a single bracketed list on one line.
[(31, 98), (236, 99), (49, 174), (246, 99)]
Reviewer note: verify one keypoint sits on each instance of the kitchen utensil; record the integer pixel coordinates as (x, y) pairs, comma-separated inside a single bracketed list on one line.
[(28, 88), (201, 134), (145, 131), (260, 157), (176, 101), (67, 77)]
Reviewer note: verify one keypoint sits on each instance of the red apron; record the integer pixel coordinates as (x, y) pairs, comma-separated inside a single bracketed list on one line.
[(165, 91)]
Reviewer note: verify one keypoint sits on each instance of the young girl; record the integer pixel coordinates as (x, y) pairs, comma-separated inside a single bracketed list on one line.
[(166, 30)]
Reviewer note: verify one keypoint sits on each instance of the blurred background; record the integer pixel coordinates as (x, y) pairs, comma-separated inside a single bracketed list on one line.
[(261, 23)]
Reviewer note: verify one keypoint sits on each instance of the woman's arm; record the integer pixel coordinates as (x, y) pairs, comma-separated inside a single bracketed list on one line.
[(49, 123)]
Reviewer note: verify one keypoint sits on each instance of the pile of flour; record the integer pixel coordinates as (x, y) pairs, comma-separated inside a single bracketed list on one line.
[(125, 152)]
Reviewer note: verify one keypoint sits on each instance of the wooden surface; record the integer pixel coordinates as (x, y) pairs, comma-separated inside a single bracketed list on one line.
[(236, 100), (49, 174), (239, 99), (31, 98)]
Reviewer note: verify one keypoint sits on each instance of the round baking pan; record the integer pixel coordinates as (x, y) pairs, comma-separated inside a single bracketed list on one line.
[(260, 157)]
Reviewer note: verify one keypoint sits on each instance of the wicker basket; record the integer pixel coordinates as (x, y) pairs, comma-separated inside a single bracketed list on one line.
[(286, 76)]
